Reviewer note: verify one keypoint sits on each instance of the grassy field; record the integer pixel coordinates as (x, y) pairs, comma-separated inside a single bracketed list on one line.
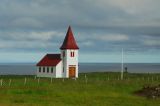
[(97, 89)]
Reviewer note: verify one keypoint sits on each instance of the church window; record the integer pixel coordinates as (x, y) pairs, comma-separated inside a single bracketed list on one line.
[(72, 54), (39, 69), (63, 69), (63, 53), (47, 69), (43, 69), (51, 69)]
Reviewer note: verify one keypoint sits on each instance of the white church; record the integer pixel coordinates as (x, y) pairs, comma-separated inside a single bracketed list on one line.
[(63, 65)]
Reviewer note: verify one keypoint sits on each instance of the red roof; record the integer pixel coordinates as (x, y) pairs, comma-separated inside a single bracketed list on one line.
[(69, 41), (50, 60)]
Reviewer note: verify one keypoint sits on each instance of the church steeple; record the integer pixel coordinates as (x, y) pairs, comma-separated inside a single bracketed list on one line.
[(69, 41)]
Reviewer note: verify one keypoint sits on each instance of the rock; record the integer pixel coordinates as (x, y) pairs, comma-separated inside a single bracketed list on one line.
[(149, 91)]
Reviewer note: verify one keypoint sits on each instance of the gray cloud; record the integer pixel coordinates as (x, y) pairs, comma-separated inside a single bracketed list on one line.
[(50, 13), (101, 26)]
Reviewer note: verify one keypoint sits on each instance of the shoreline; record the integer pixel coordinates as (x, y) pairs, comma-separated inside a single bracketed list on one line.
[(30, 69), (128, 73)]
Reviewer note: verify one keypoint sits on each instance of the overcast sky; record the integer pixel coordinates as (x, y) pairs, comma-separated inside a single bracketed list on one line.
[(31, 28)]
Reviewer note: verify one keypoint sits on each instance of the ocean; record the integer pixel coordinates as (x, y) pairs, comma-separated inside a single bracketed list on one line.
[(30, 68)]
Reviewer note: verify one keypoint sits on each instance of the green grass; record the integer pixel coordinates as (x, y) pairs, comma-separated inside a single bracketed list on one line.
[(100, 89)]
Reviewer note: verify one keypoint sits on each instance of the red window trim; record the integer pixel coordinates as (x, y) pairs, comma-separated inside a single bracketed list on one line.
[(72, 54)]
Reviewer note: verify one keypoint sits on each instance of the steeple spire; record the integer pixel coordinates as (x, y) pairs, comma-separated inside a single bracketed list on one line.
[(69, 41)]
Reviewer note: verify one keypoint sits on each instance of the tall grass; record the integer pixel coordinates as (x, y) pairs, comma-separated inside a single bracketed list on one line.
[(101, 89)]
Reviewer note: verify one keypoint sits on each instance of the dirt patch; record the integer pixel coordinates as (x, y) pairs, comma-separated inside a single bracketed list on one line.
[(149, 91)]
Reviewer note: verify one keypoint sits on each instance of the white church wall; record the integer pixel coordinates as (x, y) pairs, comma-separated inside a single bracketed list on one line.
[(68, 60), (64, 63), (59, 70), (72, 61), (46, 74)]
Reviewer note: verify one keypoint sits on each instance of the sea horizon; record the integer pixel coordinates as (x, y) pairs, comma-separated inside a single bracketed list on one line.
[(26, 63), (30, 68)]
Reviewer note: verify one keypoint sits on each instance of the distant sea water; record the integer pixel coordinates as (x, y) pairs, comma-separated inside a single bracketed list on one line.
[(30, 68)]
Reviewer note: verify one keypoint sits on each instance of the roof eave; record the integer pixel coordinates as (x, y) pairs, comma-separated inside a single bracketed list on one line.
[(63, 48), (49, 65)]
